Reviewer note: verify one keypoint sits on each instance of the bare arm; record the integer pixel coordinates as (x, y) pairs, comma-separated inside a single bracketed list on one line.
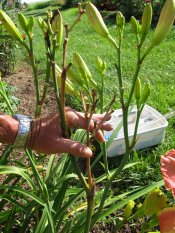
[(8, 129)]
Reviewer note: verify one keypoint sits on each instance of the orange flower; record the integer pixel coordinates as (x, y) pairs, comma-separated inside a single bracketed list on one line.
[(168, 170), (167, 219)]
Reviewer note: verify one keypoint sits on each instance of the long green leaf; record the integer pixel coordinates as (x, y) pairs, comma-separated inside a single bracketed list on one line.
[(27, 218), (43, 223), (17, 171), (41, 184), (12, 200), (61, 180), (50, 168), (50, 219), (103, 177), (61, 213), (4, 216), (10, 221), (135, 196), (24, 192), (5, 154)]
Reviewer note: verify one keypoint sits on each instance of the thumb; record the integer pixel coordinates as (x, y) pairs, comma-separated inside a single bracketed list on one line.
[(72, 147)]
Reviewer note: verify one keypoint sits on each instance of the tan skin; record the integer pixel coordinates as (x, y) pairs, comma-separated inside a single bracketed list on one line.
[(46, 133)]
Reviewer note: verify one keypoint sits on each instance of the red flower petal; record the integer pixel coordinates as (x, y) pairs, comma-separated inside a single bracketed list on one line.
[(167, 220), (168, 170)]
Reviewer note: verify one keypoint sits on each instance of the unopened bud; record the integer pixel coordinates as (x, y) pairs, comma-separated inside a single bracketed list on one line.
[(10, 26), (74, 76), (82, 67), (96, 20), (165, 22), (42, 24), (23, 22), (145, 92), (120, 20), (30, 23), (146, 21), (128, 209), (101, 65), (57, 25), (135, 25), (69, 86), (154, 202), (97, 23), (137, 91)]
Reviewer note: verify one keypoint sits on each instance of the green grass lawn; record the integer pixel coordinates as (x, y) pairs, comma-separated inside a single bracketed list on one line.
[(159, 68)]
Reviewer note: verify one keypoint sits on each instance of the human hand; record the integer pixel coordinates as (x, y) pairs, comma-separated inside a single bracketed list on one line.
[(47, 137)]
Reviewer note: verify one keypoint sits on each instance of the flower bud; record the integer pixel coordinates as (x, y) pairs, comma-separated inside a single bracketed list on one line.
[(154, 202), (57, 25), (96, 20), (101, 65), (137, 91), (146, 21), (128, 209), (10, 26), (42, 24), (23, 22), (30, 23), (81, 66), (73, 76), (39, 21), (69, 86), (165, 22), (120, 20), (135, 25), (145, 92)]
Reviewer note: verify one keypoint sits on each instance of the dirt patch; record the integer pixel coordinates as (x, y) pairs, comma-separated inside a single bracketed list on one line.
[(23, 80)]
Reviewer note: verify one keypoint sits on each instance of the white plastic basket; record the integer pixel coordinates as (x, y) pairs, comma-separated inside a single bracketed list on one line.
[(151, 130)]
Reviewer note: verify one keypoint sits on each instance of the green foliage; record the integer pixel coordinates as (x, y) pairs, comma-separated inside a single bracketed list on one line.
[(39, 5), (57, 195), (7, 52), (7, 55)]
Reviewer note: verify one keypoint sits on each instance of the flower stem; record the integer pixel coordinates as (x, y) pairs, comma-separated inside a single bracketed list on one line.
[(35, 75)]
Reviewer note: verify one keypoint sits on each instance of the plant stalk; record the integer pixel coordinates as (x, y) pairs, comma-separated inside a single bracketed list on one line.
[(101, 111), (35, 75)]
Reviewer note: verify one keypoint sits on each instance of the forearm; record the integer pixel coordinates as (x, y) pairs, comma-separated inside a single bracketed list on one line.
[(8, 129)]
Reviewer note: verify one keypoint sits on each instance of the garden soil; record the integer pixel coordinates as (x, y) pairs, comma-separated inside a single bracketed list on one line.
[(22, 80)]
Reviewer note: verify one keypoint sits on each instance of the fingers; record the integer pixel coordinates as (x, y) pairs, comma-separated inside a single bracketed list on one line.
[(72, 147), (104, 116), (99, 136), (77, 120), (105, 126)]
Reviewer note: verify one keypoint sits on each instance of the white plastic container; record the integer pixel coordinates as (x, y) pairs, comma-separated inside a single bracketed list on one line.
[(151, 130)]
